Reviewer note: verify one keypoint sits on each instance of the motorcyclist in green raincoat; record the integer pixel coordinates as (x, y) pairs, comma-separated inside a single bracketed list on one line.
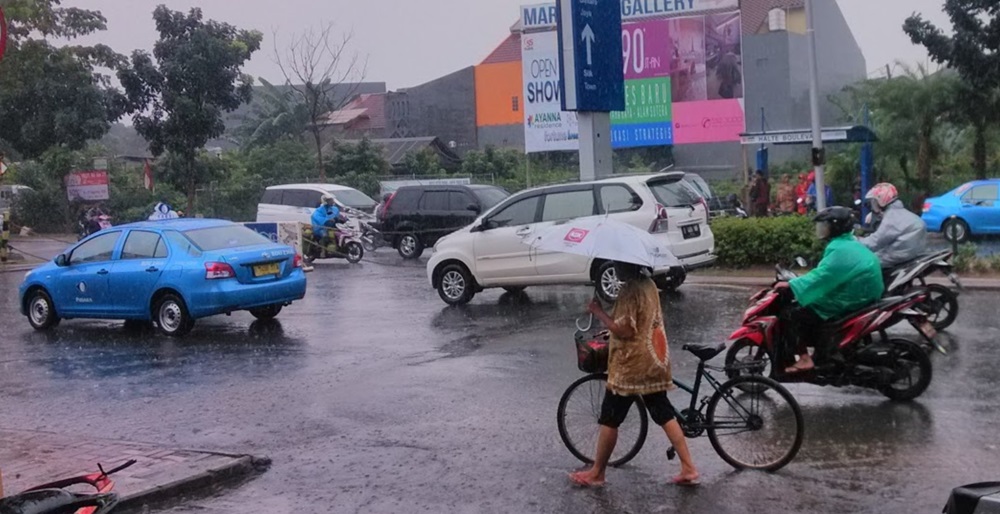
[(848, 278)]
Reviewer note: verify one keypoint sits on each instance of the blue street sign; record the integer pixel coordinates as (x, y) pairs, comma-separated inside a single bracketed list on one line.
[(590, 55)]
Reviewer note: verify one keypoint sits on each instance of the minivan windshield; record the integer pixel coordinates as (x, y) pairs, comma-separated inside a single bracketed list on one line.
[(354, 198), (490, 196), (673, 193)]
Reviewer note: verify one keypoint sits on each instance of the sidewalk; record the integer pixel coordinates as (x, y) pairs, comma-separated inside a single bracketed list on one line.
[(30, 458)]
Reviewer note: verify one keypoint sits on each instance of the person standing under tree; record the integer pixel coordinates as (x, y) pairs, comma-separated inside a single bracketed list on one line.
[(760, 194), (786, 195), (638, 366)]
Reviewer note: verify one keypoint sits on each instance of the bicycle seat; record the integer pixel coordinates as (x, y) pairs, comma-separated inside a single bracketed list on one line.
[(705, 352)]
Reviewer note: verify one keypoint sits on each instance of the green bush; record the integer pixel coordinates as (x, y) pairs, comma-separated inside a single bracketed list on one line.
[(740, 243), (966, 257)]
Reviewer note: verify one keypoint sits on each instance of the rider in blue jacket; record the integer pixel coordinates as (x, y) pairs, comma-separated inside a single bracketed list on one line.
[(325, 215)]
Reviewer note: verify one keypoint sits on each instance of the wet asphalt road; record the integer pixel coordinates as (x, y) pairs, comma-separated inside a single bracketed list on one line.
[(371, 396)]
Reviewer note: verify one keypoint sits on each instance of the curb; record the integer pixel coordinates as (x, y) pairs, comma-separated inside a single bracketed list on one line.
[(242, 467)]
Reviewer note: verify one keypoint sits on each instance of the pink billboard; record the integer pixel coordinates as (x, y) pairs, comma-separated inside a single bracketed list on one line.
[(708, 122)]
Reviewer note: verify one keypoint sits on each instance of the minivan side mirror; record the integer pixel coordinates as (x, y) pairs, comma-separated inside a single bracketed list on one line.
[(62, 260), (473, 207), (483, 226)]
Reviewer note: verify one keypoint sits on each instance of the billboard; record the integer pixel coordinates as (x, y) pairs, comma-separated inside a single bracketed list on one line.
[(683, 77), (88, 186), (546, 126)]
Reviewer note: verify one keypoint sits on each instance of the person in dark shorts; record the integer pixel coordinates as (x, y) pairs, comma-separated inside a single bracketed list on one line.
[(638, 366)]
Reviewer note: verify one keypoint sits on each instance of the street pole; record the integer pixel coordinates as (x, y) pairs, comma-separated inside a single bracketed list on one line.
[(818, 154)]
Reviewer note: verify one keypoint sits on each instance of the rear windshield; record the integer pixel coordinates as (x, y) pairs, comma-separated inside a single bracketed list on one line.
[(229, 236), (354, 198), (699, 185), (673, 193), (490, 196)]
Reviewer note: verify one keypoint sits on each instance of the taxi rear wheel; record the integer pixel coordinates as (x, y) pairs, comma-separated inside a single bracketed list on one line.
[(41, 311), (172, 317)]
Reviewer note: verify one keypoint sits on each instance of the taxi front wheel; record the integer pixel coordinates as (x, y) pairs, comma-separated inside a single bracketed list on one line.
[(41, 311)]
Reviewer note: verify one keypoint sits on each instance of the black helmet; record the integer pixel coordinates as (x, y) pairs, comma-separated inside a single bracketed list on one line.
[(840, 219)]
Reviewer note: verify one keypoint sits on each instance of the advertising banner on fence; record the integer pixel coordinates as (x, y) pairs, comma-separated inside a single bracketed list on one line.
[(87, 186), (683, 79), (546, 127)]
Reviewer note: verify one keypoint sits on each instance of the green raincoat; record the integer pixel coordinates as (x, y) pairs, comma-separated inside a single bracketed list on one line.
[(847, 279)]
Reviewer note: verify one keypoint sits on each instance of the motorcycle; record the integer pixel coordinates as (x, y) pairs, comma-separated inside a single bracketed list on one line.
[(942, 303), (344, 243), (864, 354), (53, 498)]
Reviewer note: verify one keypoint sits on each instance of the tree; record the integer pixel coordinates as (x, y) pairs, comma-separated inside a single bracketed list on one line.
[(974, 52), (425, 163), (53, 96), (365, 158), (324, 77), (178, 101), (278, 114)]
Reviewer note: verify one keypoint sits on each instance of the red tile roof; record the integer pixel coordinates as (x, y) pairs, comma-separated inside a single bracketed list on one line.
[(508, 51), (365, 112), (755, 12)]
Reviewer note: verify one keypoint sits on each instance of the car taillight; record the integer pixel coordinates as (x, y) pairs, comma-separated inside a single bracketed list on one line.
[(927, 207), (660, 224), (704, 203), (385, 208), (297, 261), (218, 270)]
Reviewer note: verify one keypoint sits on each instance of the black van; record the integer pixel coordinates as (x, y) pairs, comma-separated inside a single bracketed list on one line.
[(415, 217)]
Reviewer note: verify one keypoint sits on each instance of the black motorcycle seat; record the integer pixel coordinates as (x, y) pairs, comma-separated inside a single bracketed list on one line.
[(705, 352), (39, 502)]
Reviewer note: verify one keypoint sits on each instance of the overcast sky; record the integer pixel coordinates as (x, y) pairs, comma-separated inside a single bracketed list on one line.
[(408, 42)]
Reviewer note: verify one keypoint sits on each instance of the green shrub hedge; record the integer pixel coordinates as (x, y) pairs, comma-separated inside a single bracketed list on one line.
[(740, 243)]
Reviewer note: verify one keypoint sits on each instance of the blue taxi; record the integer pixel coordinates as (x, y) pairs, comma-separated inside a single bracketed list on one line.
[(169, 272)]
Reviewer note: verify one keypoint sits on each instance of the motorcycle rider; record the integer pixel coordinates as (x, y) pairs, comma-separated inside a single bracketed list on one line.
[(902, 235), (847, 279), (325, 216)]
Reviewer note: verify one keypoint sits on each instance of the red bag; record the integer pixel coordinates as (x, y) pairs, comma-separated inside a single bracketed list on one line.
[(592, 352)]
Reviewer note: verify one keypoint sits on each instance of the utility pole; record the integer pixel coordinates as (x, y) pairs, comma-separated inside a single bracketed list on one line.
[(818, 153)]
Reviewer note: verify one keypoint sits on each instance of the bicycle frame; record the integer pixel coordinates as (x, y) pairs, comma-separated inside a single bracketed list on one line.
[(689, 425)]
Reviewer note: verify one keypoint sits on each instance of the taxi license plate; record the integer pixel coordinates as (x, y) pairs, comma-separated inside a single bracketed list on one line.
[(690, 231), (262, 270)]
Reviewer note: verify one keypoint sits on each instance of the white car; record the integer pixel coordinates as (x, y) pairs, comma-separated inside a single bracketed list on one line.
[(296, 202), (490, 252)]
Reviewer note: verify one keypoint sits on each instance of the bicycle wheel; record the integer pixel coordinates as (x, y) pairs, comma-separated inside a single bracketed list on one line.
[(755, 423), (579, 410)]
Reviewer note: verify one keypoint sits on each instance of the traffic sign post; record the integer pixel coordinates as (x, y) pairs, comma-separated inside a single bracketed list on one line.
[(593, 76)]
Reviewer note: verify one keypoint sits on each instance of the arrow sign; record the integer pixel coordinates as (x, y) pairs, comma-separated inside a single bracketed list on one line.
[(588, 37)]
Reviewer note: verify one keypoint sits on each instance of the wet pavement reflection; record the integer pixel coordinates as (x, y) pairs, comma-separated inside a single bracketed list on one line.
[(372, 396)]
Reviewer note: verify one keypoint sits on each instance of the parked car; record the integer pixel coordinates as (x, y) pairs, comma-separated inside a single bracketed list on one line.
[(415, 217), (9, 193), (972, 209), (169, 272), (296, 202), (491, 252)]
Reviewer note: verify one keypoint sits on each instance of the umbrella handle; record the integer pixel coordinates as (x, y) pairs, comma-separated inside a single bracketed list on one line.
[(590, 324)]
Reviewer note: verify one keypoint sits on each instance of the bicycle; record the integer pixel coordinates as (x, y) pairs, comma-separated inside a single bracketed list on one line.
[(744, 397)]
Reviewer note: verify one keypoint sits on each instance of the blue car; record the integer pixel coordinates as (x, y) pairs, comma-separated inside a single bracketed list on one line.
[(170, 272), (970, 210)]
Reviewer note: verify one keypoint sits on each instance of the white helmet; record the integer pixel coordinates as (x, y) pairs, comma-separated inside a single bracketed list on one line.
[(329, 199)]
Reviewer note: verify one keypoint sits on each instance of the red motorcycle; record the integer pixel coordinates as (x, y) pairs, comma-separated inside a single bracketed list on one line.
[(53, 498), (863, 353)]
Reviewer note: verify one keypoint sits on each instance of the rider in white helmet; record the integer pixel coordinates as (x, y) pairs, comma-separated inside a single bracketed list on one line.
[(902, 235)]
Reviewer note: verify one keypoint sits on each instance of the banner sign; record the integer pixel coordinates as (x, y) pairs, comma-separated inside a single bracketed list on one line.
[(88, 186), (784, 138), (289, 233), (683, 81), (546, 126), (543, 16)]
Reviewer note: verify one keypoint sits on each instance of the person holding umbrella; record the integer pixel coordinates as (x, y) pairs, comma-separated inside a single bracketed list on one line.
[(638, 366)]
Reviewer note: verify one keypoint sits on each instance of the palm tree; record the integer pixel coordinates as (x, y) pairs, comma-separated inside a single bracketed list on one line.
[(276, 114)]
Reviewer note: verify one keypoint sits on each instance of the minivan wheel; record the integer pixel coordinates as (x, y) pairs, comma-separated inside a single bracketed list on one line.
[(455, 286), (410, 246), (608, 285), (670, 281)]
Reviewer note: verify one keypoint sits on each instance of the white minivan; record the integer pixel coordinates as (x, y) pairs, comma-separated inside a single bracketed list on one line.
[(296, 202), (490, 252)]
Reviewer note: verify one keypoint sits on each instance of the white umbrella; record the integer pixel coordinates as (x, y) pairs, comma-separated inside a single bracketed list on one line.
[(604, 238)]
